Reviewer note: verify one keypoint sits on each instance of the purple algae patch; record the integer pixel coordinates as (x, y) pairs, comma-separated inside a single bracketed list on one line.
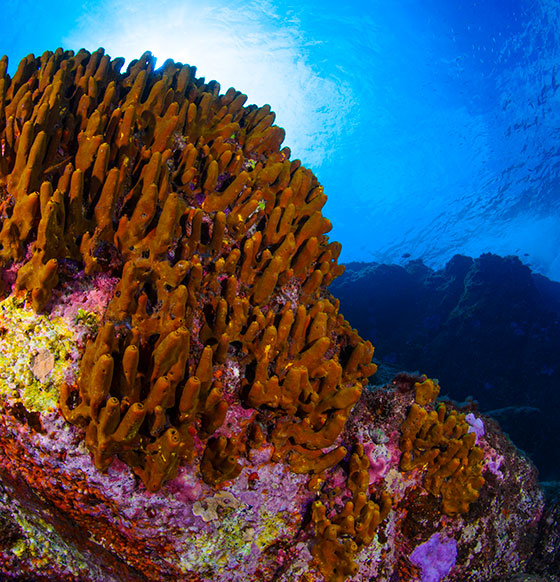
[(435, 557)]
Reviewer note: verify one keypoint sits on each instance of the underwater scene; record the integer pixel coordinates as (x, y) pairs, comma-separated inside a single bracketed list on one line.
[(280, 291)]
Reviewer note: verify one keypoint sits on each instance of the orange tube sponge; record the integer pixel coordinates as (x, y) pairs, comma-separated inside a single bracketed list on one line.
[(162, 459), (439, 444), (425, 391), (219, 462), (218, 244), (340, 537)]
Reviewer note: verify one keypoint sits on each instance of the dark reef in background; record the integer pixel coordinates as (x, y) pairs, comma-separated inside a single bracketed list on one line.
[(487, 328)]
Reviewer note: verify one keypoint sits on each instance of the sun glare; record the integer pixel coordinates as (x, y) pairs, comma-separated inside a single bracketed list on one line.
[(245, 45)]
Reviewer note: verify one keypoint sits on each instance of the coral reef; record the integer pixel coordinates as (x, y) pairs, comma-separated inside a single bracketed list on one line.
[(218, 244), (192, 403)]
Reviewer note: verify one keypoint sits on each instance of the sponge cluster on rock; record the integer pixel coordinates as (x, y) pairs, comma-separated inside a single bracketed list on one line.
[(180, 398)]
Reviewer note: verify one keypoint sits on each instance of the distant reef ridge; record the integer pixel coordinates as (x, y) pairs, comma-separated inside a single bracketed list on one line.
[(487, 327)]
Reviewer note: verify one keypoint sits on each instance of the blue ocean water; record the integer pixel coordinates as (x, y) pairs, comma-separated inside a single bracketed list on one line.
[(453, 140), (433, 125)]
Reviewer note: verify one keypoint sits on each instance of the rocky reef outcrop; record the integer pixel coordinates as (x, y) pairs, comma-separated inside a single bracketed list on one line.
[(180, 397)]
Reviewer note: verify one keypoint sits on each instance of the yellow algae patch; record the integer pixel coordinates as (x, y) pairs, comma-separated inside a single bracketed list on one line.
[(271, 526), (217, 551), (34, 354), (40, 543), (35, 542), (231, 541)]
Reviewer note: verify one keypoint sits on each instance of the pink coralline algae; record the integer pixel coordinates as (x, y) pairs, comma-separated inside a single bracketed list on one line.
[(180, 399)]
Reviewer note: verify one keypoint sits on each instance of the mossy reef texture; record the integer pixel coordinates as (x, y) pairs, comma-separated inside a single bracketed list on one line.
[(218, 359)]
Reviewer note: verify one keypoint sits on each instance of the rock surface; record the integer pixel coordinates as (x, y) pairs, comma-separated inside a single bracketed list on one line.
[(64, 520)]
